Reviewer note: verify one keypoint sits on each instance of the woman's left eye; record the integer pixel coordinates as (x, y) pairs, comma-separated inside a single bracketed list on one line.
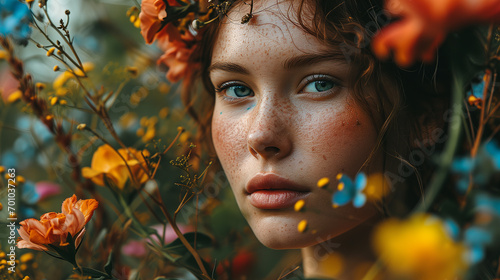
[(319, 86)]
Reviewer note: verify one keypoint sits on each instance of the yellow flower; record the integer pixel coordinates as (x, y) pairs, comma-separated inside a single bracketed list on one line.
[(419, 248), (66, 75), (107, 162), (15, 96)]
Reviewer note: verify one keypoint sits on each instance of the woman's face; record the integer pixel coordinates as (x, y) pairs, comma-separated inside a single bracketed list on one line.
[(283, 119)]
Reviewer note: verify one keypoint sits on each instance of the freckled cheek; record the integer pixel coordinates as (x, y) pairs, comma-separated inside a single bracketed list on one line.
[(229, 138), (345, 137)]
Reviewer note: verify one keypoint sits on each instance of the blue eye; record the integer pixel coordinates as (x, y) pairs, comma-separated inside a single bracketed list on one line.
[(319, 86), (238, 91)]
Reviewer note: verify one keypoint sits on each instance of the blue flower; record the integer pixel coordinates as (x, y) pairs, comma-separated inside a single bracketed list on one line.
[(482, 167), (477, 86), (493, 150), (477, 239), (350, 191), (488, 204), (15, 18)]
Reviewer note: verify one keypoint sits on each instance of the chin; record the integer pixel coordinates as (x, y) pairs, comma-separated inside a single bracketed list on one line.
[(280, 231)]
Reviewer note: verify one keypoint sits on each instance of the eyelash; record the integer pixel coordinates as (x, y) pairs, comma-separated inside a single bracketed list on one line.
[(321, 77), (312, 78), (222, 87)]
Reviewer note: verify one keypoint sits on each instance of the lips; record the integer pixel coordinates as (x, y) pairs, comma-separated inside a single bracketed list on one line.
[(270, 191)]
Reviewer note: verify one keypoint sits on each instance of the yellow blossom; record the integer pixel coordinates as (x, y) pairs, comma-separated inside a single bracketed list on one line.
[(163, 112), (20, 179), (376, 187), (27, 257), (302, 226), (51, 51), (419, 248), (15, 96), (107, 163), (40, 86), (299, 205), (3, 54), (323, 182), (2, 169), (1, 206), (56, 68), (53, 100)]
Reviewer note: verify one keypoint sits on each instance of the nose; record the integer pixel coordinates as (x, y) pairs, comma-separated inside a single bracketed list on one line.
[(269, 136)]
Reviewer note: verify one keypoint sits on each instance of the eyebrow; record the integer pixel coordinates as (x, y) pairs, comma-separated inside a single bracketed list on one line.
[(228, 67), (289, 63), (307, 59)]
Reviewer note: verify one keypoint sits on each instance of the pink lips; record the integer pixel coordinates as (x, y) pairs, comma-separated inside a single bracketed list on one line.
[(270, 191)]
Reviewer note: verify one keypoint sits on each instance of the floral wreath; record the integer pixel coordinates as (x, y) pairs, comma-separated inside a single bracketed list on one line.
[(420, 29)]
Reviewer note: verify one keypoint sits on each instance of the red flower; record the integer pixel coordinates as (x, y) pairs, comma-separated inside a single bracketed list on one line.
[(424, 25)]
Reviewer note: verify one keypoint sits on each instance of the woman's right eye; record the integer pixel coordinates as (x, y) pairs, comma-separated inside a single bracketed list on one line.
[(235, 91)]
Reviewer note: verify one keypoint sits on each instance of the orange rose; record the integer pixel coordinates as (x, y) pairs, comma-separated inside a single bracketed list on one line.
[(424, 25), (53, 228), (107, 162)]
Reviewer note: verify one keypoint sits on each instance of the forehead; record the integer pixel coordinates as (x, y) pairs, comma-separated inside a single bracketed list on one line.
[(273, 31)]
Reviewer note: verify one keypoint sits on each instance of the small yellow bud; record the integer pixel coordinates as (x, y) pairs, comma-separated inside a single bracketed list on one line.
[(341, 186), (63, 102), (180, 129), (163, 113), (133, 18), (302, 226), (20, 179), (30, 1), (40, 86), (27, 257), (26, 278), (15, 96), (56, 68), (339, 176), (335, 205), (81, 126), (137, 24), (1, 206), (59, 52), (51, 51), (2, 169), (132, 70), (323, 182), (53, 101), (299, 205), (140, 132), (49, 117), (3, 54)]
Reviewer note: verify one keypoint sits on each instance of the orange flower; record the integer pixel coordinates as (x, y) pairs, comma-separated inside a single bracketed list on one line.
[(176, 58), (107, 162), (53, 228), (424, 25), (151, 16)]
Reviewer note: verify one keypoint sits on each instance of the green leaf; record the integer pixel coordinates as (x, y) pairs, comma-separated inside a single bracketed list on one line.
[(202, 241), (86, 271), (109, 264)]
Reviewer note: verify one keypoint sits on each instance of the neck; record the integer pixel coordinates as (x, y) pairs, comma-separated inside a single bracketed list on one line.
[(345, 257)]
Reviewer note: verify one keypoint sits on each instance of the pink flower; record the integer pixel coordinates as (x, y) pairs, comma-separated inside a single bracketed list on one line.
[(8, 84), (424, 25), (47, 189), (137, 248)]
